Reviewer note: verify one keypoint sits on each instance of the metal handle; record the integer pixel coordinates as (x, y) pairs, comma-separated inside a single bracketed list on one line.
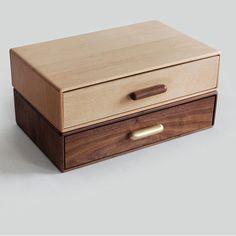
[(146, 132)]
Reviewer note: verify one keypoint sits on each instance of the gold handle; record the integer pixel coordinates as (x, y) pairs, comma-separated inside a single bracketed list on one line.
[(146, 132)]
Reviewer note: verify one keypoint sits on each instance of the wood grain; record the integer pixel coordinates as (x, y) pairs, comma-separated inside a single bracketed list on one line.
[(86, 79), (95, 143), (41, 132), (110, 100), (45, 98), (89, 59), (154, 109), (109, 140)]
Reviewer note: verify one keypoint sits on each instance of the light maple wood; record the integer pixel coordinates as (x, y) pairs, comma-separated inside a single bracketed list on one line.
[(111, 100), (83, 80), (102, 56), (44, 97)]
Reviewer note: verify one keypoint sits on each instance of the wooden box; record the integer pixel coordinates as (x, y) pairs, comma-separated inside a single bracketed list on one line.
[(89, 97)]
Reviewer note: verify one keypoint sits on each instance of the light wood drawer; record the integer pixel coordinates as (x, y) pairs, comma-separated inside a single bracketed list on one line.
[(109, 100)]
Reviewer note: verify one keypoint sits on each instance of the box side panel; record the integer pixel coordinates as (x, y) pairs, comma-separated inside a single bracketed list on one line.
[(42, 95), (41, 132)]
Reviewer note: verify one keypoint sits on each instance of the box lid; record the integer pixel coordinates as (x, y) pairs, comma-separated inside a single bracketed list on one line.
[(97, 57)]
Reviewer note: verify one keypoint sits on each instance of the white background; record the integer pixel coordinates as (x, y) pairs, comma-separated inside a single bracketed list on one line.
[(187, 185)]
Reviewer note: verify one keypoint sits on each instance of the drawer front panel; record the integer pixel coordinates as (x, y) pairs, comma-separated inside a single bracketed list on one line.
[(112, 139), (109, 100)]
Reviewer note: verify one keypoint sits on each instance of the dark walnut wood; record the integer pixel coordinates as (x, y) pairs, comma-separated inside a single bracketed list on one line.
[(105, 140), (148, 92), (40, 131), (113, 139)]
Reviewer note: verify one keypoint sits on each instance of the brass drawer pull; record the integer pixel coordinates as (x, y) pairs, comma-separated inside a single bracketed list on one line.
[(148, 92), (146, 132)]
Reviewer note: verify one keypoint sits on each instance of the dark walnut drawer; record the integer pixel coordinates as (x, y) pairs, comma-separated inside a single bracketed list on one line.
[(109, 140), (105, 140)]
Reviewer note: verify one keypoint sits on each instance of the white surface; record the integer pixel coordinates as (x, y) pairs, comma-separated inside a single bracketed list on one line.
[(187, 185)]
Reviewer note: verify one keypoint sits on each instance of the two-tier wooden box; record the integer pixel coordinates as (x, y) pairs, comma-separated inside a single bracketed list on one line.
[(90, 97)]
